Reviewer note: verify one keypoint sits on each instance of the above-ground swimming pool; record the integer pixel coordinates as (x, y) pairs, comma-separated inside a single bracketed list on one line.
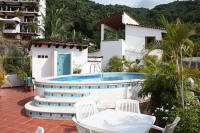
[(56, 96), (99, 77)]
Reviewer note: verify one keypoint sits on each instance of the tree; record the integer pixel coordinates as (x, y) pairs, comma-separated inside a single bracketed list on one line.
[(177, 37), (55, 28)]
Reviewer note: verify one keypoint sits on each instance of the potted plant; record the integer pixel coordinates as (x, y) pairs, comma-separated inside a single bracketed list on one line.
[(22, 76), (79, 70)]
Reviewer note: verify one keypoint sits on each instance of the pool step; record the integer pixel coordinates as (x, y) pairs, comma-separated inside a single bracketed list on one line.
[(56, 102), (66, 93), (48, 112)]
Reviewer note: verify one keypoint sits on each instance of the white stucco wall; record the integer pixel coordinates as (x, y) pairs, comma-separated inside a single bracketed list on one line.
[(47, 67), (110, 49), (135, 40), (126, 19)]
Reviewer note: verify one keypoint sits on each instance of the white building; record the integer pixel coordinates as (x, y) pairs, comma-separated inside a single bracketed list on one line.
[(137, 38), (22, 19), (53, 58)]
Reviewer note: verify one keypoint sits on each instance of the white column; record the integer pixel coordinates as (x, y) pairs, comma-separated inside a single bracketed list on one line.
[(102, 32), (54, 63), (117, 35)]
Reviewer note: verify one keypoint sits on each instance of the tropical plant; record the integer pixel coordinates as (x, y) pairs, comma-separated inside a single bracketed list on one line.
[(189, 119), (150, 64), (3, 78), (115, 64), (163, 87), (177, 37), (21, 74), (55, 29)]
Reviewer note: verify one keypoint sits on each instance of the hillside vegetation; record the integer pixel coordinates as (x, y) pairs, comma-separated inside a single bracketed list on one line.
[(78, 18)]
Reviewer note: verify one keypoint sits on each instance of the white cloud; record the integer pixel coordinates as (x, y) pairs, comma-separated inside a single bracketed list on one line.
[(134, 3)]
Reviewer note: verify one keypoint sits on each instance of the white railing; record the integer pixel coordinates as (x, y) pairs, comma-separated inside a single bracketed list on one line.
[(15, 10), (19, 0)]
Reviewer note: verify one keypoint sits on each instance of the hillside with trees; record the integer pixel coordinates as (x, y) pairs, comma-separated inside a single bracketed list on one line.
[(76, 20)]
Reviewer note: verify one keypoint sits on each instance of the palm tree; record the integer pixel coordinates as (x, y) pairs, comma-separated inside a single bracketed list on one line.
[(177, 36), (55, 29)]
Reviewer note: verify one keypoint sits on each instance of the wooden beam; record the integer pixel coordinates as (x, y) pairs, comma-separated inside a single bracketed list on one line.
[(84, 47), (71, 46), (64, 46), (57, 45)]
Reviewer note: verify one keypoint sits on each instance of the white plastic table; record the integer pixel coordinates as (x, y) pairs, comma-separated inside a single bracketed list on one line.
[(120, 121)]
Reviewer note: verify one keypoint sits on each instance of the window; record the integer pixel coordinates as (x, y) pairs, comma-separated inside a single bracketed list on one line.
[(10, 26), (42, 56), (163, 35), (148, 41)]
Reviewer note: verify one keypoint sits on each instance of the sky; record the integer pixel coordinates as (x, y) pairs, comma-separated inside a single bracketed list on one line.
[(134, 3)]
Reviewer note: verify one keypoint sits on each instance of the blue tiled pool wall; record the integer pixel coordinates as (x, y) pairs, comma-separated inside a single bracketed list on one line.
[(49, 115), (54, 104), (103, 86), (53, 94)]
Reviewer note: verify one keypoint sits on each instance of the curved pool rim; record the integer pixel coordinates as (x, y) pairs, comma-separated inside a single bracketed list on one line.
[(48, 79)]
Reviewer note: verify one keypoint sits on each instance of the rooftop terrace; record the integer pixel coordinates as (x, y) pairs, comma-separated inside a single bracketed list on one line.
[(14, 120)]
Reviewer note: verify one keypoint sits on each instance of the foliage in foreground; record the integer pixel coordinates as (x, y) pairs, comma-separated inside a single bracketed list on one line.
[(162, 85), (190, 120)]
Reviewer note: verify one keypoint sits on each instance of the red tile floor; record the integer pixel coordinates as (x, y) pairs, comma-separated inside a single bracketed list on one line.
[(14, 120)]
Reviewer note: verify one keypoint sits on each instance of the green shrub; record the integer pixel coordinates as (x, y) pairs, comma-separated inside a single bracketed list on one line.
[(115, 64), (10, 69), (162, 85), (190, 119)]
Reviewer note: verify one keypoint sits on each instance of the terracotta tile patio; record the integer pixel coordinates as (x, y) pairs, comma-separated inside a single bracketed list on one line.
[(14, 120)]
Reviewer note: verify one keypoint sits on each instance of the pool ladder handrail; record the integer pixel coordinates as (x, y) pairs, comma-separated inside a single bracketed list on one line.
[(95, 64)]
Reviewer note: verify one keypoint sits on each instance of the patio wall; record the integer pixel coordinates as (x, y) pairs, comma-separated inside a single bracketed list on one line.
[(14, 81), (110, 48)]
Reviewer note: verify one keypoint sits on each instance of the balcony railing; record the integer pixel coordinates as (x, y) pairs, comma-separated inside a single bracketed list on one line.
[(29, 31), (27, 1), (3, 9)]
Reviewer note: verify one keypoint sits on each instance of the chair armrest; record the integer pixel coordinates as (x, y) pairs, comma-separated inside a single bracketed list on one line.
[(157, 128)]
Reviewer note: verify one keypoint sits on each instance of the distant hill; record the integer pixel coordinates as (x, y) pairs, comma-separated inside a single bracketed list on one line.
[(188, 11), (84, 14)]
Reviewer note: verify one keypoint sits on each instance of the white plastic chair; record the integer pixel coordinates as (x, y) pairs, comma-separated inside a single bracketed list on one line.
[(128, 105), (85, 109), (86, 129), (169, 128), (81, 128), (39, 130)]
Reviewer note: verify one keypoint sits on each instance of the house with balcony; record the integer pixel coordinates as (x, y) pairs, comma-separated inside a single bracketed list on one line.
[(135, 42), (22, 19)]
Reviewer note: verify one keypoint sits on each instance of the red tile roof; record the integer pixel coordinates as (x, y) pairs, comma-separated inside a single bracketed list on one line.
[(56, 44), (114, 21), (144, 26)]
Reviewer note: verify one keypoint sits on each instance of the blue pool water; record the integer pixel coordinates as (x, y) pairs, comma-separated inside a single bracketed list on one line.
[(100, 77)]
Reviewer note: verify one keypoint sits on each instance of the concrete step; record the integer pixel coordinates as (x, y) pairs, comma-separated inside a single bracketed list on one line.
[(48, 112), (66, 93), (56, 102)]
